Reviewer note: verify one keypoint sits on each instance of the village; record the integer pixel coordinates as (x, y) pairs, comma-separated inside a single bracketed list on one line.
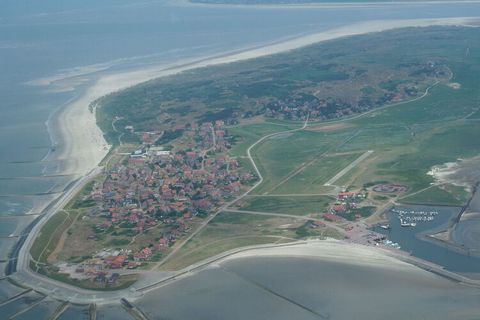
[(159, 194), (168, 191)]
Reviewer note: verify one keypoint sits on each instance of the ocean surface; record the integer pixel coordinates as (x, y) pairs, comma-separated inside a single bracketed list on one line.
[(51, 51)]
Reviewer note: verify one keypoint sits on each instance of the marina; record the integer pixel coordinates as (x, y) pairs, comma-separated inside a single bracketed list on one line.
[(410, 218), (418, 241)]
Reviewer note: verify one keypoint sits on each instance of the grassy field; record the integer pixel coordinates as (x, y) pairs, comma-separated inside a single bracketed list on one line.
[(53, 235), (123, 282), (304, 205), (231, 230), (248, 134), (436, 195), (278, 157), (49, 235), (408, 139), (313, 177), (403, 154)]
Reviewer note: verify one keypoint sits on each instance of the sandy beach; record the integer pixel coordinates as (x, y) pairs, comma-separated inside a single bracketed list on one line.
[(331, 250), (353, 254)]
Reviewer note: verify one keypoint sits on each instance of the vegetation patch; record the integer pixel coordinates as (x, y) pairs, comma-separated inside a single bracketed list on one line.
[(230, 230), (304, 205)]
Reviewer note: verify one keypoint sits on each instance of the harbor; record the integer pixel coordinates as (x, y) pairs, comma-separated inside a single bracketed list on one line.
[(410, 229), (410, 218)]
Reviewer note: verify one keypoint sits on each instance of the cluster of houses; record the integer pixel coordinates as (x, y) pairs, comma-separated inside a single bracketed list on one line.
[(345, 206), (300, 105), (210, 136), (104, 266), (298, 108), (165, 191)]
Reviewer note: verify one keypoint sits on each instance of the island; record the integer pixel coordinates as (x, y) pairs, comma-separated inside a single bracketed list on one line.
[(343, 139)]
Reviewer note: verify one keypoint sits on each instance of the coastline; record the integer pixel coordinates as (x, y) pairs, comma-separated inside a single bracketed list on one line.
[(85, 146)]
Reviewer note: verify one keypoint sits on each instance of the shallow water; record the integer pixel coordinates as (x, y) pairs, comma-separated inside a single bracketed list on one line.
[(112, 312), (5, 246), (467, 234), (7, 226), (308, 288), (3, 265), (8, 290), (14, 225), (20, 304), (42, 311), (76, 312)]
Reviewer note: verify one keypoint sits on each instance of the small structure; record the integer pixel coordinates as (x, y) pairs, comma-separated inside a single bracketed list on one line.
[(390, 188), (331, 217)]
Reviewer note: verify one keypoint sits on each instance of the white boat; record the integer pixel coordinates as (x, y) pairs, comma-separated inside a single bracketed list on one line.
[(407, 224)]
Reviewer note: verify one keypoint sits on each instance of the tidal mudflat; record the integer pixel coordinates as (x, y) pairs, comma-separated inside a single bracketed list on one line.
[(278, 286)]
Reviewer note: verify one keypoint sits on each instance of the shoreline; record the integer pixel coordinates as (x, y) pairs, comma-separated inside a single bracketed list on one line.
[(85, 146), (83, 143)]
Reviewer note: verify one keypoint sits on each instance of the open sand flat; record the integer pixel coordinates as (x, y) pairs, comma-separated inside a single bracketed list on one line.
[(331, 250), (83, 143)]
